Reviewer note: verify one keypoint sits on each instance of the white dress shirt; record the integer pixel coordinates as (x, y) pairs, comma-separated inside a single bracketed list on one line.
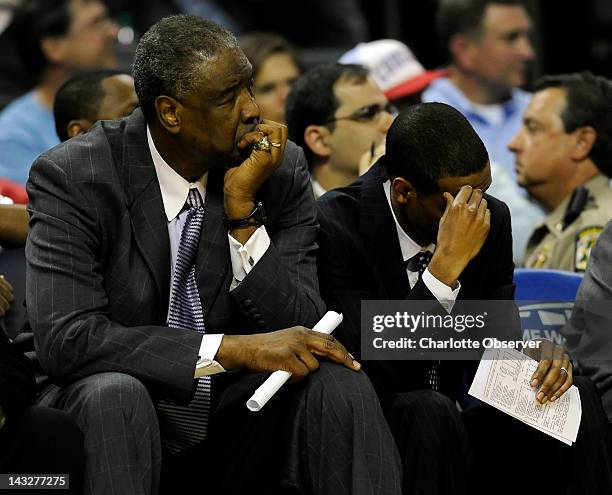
[(442, 292), (174, 191), (317, 189)]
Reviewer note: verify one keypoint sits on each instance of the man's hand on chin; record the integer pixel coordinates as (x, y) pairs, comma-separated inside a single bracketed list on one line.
[(241, 184)]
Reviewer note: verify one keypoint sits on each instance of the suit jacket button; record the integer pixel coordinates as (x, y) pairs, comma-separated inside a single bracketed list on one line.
[(253, 312), (248, 303), (257, 317), (261, 323)]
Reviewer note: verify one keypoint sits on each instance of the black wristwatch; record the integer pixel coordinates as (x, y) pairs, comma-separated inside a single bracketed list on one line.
[(256, 218)]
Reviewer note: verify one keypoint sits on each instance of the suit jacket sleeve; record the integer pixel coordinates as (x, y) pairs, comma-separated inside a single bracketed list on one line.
[(283, 287), (17, 386), (345, 280), (68, 305), (588, 332)]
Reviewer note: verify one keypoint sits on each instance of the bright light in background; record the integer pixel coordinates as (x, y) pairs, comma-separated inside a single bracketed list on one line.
[(125, 36)]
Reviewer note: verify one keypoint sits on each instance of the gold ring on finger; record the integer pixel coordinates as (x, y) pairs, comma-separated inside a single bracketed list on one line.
[(263, 144), (564, 369)]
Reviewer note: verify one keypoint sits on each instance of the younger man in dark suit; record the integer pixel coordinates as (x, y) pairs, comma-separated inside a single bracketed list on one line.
[(425, 200)]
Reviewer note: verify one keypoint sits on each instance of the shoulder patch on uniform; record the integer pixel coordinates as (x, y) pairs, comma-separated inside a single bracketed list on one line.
[(585, 240)]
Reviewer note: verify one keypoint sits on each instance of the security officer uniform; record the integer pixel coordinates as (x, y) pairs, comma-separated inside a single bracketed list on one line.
[(565, 239)]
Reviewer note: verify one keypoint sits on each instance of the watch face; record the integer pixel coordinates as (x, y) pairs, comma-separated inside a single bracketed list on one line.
[(256, 218)]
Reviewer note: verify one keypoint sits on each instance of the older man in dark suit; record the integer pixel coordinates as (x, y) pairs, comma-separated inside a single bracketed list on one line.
[(419, 227), (150, 252)]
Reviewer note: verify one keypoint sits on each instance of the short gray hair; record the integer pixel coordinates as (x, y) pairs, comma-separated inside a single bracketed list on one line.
[(169, 54)]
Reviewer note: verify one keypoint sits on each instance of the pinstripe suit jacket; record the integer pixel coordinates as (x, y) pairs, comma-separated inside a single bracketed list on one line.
[(98, 261)]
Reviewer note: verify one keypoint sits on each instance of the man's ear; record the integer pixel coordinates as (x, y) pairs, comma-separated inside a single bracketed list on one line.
[(316, 138), (76, 127), (585, 140), (54, 49), (463, 50), (169, 113), (402, 190)]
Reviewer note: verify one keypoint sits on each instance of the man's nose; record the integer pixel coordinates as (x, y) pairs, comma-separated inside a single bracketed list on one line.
[(113, 29), (514, 144), (250, 110), (525, 49), (387, 120)]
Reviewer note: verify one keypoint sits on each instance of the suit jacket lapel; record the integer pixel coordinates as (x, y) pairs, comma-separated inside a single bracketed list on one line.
[(149, 222), (150, 225), (212, 259), (380, 234)]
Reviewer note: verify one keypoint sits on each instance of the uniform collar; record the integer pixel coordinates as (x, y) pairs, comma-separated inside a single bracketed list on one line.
[(596, 185)]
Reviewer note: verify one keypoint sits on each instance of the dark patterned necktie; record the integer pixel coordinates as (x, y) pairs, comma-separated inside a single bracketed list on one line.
[(418, 263), (182, 426)]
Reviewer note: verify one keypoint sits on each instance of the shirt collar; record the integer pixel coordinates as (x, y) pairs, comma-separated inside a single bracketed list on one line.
[(317, 188), (174, 188), (455, 97), (407, 245)]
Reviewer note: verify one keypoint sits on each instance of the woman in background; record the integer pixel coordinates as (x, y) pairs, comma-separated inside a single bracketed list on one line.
[(275, 68)]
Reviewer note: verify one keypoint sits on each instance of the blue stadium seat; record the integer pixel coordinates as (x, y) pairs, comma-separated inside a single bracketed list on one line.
[(545, 299), (546, 285)]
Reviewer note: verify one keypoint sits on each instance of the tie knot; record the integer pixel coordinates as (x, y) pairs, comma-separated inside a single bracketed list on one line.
[(194, 200), (419, 262)]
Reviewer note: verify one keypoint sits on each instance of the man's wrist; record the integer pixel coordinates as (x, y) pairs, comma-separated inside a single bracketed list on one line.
[(238, 206), (444, 272), (255, 218), (230, 354)]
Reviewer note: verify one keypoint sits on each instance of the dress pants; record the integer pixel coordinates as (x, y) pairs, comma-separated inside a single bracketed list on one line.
[(121, 434), (323, 436), (511, 457), (43, 441), (432, 441)]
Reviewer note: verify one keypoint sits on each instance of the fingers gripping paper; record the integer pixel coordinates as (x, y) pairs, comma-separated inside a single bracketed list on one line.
[(502, 381), (266, 391)]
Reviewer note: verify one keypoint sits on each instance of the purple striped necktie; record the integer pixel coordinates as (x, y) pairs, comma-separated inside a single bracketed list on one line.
[(182, 426)]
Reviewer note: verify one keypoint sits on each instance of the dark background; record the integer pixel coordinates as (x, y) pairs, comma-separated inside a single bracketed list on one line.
[(568, 36)]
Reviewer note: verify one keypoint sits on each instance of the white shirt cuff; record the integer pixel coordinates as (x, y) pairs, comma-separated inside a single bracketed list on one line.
[(442, 292), (209, 346), (244, 258)]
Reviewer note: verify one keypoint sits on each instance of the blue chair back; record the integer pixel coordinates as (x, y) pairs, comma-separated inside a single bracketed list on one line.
[(545, 285), (545, 299)]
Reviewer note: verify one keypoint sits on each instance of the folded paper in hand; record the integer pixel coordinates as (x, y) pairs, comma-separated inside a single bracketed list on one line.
[(502, 381)]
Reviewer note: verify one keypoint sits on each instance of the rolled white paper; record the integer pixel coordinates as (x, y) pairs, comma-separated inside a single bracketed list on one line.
[(275, 381)]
